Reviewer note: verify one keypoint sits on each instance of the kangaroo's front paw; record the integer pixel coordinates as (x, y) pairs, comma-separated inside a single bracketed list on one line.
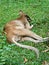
[(31, 27)]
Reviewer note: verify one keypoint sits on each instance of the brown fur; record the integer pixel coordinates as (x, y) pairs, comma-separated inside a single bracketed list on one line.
[(19, 30)]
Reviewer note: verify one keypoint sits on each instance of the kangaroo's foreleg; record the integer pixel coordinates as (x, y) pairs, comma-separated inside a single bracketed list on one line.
[(28, 26)]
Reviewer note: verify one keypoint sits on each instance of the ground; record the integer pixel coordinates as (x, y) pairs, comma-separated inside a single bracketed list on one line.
[(38, 10)]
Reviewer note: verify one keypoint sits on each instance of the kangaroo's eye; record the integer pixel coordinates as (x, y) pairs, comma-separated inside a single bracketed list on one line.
[(28, 18)]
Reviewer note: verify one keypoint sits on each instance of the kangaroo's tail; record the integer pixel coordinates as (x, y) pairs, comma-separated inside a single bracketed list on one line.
[(26, 46)]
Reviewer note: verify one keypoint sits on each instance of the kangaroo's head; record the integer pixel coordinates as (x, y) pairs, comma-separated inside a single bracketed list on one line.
[(22, 14)]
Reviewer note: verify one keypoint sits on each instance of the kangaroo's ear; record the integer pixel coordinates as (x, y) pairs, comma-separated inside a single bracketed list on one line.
[(28, 18), (21, 12)]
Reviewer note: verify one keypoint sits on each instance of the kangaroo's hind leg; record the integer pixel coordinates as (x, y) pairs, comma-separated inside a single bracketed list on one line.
[(28, 33), (30, 39)]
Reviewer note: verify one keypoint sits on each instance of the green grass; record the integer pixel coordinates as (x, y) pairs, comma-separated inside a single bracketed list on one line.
[(38, 10)]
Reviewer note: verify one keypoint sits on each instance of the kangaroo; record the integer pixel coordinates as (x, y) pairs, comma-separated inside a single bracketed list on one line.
[(19, 30)]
